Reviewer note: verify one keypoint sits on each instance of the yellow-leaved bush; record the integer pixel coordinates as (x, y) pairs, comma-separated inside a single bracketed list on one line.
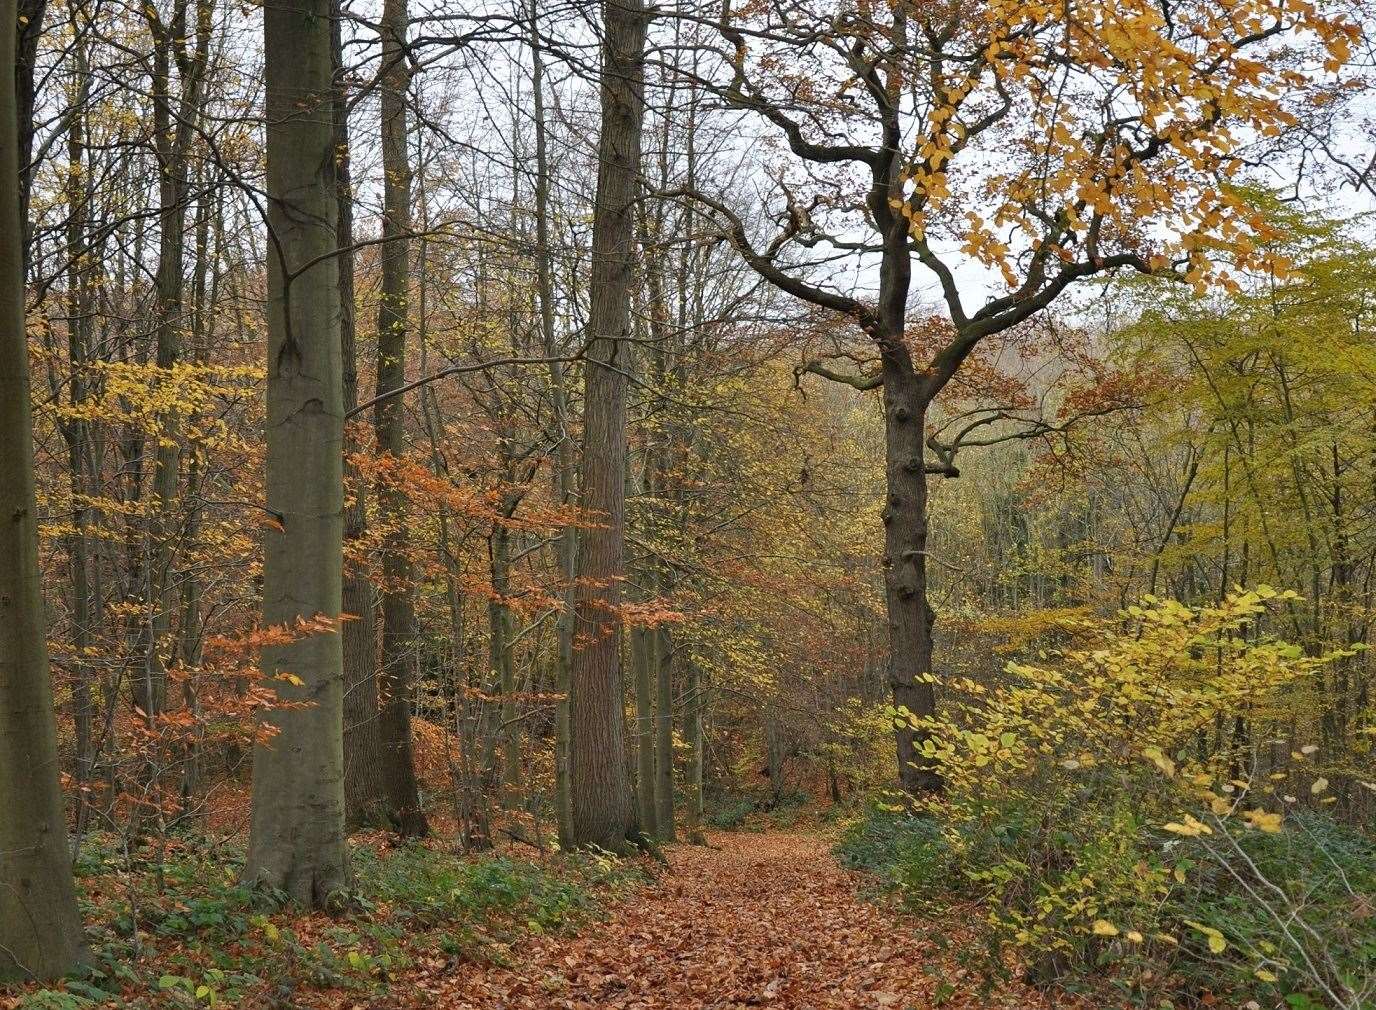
[(1078, 787)]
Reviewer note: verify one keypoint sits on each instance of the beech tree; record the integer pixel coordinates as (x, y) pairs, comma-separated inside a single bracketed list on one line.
[(1041, 142), (602, 805), (400, 803), (40, 931), (297, 842)]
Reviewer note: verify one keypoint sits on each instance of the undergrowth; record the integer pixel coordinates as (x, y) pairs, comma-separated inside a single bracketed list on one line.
[(183, 932), (762, 809), (1216, 933)]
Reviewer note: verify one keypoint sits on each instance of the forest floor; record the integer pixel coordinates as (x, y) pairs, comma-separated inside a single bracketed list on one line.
[(754, 919)]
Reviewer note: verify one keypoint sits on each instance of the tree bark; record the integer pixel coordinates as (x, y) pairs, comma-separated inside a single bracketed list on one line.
[(646, 781), (563, 462), (40, 930), (500, 658), (399, 806), (692, 723), (910, 615), (76, 432), (29, 22), (362, 739), (297, 842), (362, 742), (602, 807), (662, 650), (172, 132)]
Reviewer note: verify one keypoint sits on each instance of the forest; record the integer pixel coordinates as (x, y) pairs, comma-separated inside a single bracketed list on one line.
[(818, 504)]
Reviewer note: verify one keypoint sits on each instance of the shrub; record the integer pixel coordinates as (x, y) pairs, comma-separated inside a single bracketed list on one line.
[(730, 813), (435, 887), (886, 838), (1106, 844)]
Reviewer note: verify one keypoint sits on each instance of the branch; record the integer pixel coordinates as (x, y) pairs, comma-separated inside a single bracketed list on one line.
[(1036, 428), (455, 370), (765, 266), (862, 382)]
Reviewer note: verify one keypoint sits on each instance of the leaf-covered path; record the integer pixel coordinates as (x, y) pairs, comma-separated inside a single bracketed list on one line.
[(758, 920)]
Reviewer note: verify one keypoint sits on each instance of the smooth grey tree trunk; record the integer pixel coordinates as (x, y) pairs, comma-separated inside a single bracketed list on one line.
[(76, 432), (297, 842), (499, 656), (662, 652), (603, 811), (692, 722), (398, 806), (40, 930), (29, 17), (362, 738), (174, 124), (642, 644)]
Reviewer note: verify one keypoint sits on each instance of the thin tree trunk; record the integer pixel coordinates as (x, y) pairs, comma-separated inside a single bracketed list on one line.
[(297, 842), (76, 432), (172, 132), (397, 672), (660, 649), (362, 740), (29, 21), (40, 931), (603, 811), (563, 461), (692, 720), (642, 645), (500, 660), (662, 653)]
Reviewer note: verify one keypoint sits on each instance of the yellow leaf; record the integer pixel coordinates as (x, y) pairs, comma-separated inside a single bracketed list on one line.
[(1154, 755), (1263, 820)]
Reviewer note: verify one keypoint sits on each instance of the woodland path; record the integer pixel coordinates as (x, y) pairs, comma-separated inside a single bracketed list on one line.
[(758, 920)]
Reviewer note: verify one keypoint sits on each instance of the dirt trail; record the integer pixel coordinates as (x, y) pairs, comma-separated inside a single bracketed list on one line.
[(761, 920)]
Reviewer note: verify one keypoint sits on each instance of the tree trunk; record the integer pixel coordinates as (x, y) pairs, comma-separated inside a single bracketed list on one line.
[(662, 651), (563, 462), (29, 20), (910, 615), (76, 432), (692, 724), (500, 659), (642, 645), (297, 842), (401, 794), (40, 931), (362, 740), (172, 132), (603, 812)]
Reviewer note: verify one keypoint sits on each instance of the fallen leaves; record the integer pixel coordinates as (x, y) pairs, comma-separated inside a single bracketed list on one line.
[(759, 920)]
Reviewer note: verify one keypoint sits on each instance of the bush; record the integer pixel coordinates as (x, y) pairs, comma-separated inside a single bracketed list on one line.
[(889, 842), (434, 887), (730, 813), (1106, 846), (1295, 911)]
